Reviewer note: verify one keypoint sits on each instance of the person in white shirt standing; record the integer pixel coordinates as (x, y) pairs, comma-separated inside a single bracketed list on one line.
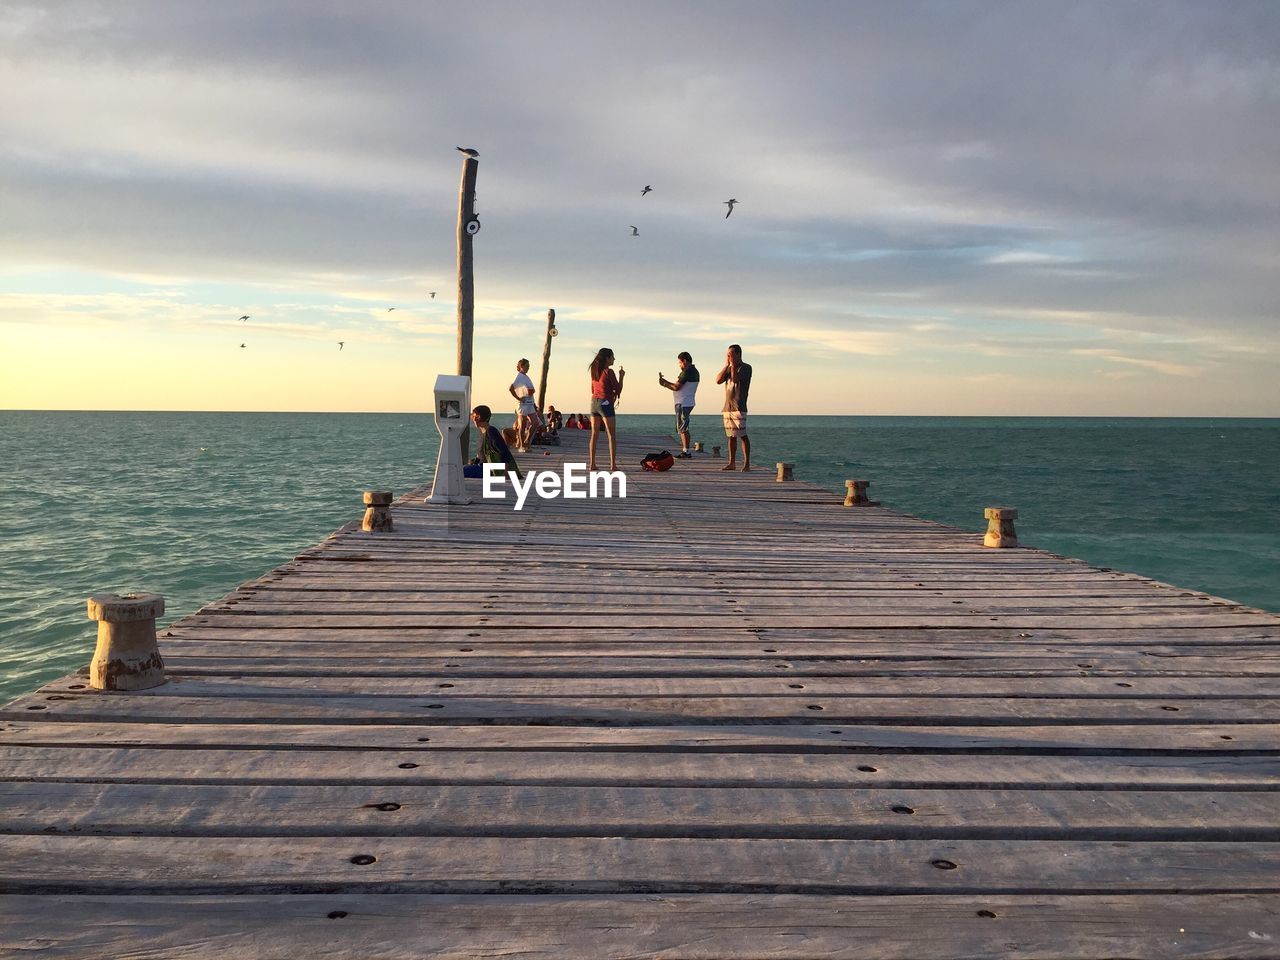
[(685, 388), (527, 408)]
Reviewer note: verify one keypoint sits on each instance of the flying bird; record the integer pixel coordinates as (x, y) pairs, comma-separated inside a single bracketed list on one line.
[(635, 232), (245, 317), (468, 151), (647, 189), (340, 343), (242, 346), (433, 294), (730, 204), (389, 309)]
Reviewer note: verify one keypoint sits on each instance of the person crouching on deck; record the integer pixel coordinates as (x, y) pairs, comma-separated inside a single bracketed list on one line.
[(490, 447)]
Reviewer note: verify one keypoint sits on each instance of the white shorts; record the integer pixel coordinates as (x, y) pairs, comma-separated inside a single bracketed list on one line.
[(735, 423)]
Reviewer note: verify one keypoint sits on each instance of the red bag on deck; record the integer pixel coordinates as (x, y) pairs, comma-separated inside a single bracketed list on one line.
[(658, 461)]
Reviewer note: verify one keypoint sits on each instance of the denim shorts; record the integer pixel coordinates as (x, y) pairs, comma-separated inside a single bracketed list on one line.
[(682, 418), (601, 408)]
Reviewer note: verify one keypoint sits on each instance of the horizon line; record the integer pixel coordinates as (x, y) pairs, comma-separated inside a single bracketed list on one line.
[(668, 413)]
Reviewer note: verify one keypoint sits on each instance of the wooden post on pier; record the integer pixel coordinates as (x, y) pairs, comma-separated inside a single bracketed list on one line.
[(856, 494), (126, 657), (377, 514), (1000, 531), (546, 362), (468, 227)]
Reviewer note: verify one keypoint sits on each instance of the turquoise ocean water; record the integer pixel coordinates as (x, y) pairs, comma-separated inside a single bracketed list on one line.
[(189, 505)]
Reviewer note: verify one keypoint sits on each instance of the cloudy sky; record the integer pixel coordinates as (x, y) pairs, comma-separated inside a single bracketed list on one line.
[(944, 208)]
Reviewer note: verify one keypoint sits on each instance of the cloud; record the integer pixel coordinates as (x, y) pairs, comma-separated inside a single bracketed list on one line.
[(1160, 366), (913, 177), (1033, 257)]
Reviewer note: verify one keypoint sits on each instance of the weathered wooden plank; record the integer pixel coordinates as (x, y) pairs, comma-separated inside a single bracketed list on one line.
[(585, 927), (298, 575), (157, 865), (351, 588), (311, 810), (711, 602), (332, 657), (172, 703), (1029, 738), (639, 617), (423, 766), (839, 641), (771, 685)]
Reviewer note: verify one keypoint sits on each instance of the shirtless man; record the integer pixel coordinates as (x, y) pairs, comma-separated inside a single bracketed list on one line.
[(736, 377)]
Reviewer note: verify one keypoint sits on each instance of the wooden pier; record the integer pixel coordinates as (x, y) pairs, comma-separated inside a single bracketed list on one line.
[(725, 717)]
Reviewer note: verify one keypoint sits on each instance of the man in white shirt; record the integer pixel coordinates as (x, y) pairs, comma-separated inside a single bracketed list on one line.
[(685, 388), (527, 409)]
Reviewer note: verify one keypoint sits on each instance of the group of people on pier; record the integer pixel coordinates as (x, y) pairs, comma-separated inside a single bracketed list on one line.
[(606, 389)]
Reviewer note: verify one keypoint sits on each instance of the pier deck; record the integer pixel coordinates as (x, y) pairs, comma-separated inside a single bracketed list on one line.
[(726, 717)]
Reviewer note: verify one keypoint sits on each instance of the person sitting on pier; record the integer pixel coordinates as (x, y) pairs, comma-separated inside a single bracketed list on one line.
[(583, 424), (554, 421), (490, 446)]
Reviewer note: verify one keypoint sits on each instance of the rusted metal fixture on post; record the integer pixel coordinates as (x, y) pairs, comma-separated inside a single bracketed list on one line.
[(1000, 532), (126, 657), (377, 514), (697, 446), (715, 452), (786, 471), (856, 494)]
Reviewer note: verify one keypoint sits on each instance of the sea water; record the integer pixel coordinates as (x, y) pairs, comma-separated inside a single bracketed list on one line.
[(189, 505)]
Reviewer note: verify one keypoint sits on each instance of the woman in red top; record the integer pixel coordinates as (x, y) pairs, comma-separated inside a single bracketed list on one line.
[(605, 390)]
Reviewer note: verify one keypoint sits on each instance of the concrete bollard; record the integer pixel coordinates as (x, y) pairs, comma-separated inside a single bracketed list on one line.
[(126, 657), (697, 446), (1000, 532), (786, 471), (715, 452), (377, 514), (856, 494)]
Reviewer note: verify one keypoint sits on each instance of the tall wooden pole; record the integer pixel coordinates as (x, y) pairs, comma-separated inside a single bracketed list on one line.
[(466, 285), (546, 362)]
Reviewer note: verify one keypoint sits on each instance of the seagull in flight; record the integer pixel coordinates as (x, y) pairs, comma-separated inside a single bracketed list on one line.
[(468, 151), (647, 189), (730, 204), (242, 346), (245, 317), (635, 232), (340, 343), (389, 309), (433, 294)]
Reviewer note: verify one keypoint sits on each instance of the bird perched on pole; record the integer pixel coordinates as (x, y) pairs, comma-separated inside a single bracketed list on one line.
[(468, 151), (730, 204)]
